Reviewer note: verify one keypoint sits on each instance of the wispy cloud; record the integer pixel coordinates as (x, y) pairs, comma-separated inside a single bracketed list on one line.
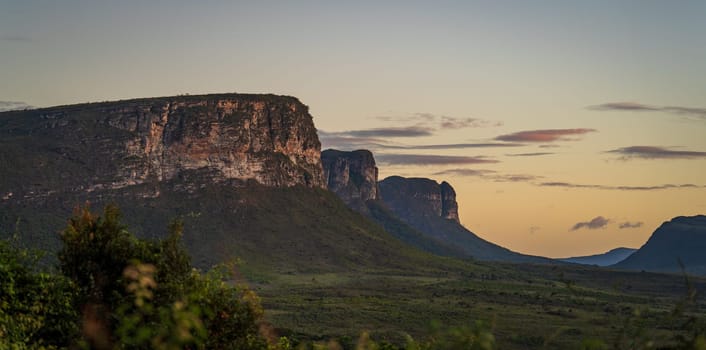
[(454, 146), (441, 121), (407, 131), (549, 135), (620, 188), (428, 159), (13, 105), (593, 224), (490, 175), (697, 112), (653, 152), (535, 154), (629, 224), (465, 172)]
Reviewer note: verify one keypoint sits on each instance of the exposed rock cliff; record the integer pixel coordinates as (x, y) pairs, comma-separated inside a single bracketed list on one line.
[(420, 196), (681, 240), (431, 208), (267, 138), (353, 176)]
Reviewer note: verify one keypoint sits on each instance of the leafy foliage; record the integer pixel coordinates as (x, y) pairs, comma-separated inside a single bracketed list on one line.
[(35, 306)]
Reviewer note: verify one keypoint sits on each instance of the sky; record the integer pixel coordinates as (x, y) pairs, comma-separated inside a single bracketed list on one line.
[(566, 127)]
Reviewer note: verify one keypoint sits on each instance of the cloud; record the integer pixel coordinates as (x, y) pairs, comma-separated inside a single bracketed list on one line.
[(653, 152), (428, 159), (488, 175), (621, 188), (549, 135), (453, 146), (595, 223), (408, 131), (629, 224), (529, 154), (465, 172), (462, 123), (13, 106), (639, 107), (441, 121)]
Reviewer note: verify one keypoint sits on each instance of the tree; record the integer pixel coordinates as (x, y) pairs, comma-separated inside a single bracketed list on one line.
[(136, 293)]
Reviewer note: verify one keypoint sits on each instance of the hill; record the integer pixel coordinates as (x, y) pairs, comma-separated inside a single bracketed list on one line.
[(431, 208), (681, 240), (608, 258)]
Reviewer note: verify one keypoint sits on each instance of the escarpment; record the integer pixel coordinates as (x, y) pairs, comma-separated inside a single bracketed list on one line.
[(89, 147), (353, 176)]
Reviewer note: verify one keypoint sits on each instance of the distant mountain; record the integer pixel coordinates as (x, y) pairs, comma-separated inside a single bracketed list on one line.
[(431, 208), (609, 258), (243, 172), (353, 177), (680, 239)]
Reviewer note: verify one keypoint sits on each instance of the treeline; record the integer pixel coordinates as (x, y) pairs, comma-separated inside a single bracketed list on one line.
[(114, 291), (111, 290)]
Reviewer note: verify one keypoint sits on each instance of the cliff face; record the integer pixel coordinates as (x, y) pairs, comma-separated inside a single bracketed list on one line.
[(353, 176), (266, 138), (420, 196), (431, 208), (682, 239)]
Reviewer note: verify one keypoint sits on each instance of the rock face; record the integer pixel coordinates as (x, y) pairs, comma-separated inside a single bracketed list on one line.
[(431, 208), (420, 196), (680, 239), (449, 207), (267, 138), (353, 176)]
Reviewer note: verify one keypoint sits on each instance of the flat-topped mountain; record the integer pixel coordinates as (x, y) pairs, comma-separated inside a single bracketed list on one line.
[(682, 239), (431, 208), (418, 211), (608, 258), (242, 171), (266, 138)]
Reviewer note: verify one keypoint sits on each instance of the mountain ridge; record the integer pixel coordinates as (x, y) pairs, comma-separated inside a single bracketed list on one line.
[(676, 245)]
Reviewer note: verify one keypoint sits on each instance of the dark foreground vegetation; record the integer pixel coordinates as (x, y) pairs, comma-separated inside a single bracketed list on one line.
[(111, 290)]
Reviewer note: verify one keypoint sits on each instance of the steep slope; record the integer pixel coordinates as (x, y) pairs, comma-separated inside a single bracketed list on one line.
[(242, 171), (431, 208), (353, 177), (681, 239), (608, 258)]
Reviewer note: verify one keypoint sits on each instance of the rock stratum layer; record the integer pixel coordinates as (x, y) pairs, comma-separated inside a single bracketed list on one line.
[(267, 138)]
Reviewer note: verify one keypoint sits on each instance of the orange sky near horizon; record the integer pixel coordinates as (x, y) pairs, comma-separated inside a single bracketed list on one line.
[(543, 115)]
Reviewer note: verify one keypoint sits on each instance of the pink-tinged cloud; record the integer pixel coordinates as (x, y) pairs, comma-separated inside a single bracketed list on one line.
[(595, 223), (549, 135), (653, 152)]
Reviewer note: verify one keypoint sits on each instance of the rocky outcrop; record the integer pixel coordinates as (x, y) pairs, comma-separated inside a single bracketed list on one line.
[(353, 176), (266, 138), (431, 209), (420, 195), (681, 240), (449, 207)]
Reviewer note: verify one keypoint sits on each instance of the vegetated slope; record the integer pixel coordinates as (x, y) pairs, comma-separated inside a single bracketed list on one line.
[(608, 258), (682, 239), (431, 209), (242, 171), (353, 177)]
